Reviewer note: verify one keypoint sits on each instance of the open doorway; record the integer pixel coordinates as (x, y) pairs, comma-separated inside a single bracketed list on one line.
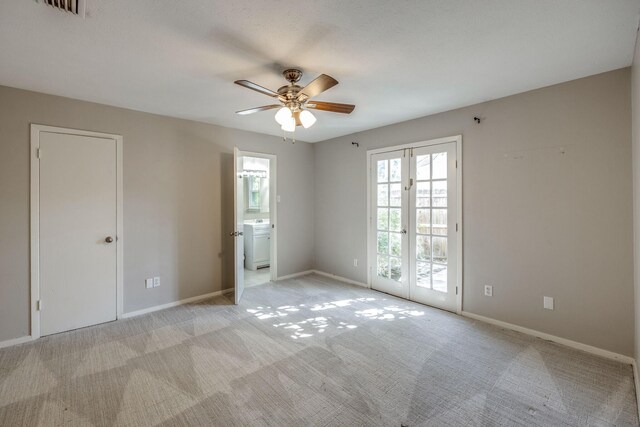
[(256, 201)]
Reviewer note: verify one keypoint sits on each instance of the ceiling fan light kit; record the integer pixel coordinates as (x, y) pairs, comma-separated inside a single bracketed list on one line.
[(289, 125), (295, 101), (283, 115), (307, 118)]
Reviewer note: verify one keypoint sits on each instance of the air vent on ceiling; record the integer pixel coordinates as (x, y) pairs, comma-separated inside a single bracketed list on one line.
[(76, 7)]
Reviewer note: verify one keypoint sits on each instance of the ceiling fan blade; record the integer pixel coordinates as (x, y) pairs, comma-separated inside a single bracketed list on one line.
[(257, 88), (319, 85), (257, 109), (331, 106)]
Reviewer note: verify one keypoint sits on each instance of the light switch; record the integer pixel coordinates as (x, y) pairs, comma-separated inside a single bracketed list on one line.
[(548, 303), (156, 282), (148, 283)]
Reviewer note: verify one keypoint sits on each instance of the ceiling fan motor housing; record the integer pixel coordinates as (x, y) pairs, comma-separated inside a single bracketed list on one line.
[(292, 75)]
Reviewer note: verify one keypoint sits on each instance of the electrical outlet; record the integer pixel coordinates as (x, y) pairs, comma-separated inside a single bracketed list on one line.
[(148, 283), (156, 282), (547, 302), (355, 262), (488, 291)]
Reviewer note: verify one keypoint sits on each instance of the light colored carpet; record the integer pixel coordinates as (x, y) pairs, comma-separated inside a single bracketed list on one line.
[(308, 352)]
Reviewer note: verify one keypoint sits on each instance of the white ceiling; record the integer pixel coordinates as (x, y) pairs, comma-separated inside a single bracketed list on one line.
[(396, 60)]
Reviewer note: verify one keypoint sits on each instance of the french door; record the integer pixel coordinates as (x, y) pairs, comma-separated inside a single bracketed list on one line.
[(414, 244)]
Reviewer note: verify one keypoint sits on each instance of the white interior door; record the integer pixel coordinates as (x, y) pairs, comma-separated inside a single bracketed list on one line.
[(238, 233), (78, 223), (389, 209), (433, 240), (413, 250)]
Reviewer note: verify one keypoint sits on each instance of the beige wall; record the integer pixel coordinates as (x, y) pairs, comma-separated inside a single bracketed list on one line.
[(536, 221), (635, 130), (178, 200)]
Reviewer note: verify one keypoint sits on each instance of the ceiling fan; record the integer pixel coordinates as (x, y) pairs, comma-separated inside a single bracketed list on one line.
[(295, 101)]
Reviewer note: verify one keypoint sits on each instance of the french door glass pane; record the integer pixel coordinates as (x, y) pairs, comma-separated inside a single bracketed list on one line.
[(396, 170), (383, 266), (383, 242), (440, 278), (423, 170), (423, 221), (423, 248), (395, 268), (439, 194), (383, 194), (383, 170), (439, 221), (423, 194), (440, 250), (439, 166), (395, 219), (395, 244), (396, 195), (423, 274), (383, 219)]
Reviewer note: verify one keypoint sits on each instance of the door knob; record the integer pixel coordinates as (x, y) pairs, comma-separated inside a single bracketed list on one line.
[(109, 239)]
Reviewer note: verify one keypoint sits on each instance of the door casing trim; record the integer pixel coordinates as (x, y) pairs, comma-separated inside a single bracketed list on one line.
[(34, 213), (458, 141)]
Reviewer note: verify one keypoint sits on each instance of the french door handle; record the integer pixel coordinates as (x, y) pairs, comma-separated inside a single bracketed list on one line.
[(404, 231), (236, 233)]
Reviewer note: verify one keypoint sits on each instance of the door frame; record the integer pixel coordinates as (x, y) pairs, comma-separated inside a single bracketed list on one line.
[(459, 252), (273, 207), (36, 129)]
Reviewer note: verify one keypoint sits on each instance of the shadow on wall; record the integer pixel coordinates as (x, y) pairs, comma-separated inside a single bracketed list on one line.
[(227, 224)]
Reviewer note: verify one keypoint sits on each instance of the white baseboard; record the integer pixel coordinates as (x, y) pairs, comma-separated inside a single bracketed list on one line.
[(16, 341), (294, 275), (175, 303), (569, 343), (340, 278)]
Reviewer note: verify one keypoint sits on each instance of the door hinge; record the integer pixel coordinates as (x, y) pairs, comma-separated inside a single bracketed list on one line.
[(456, 226), (38, 153), (39, 305), (456, 290), (273, 226)]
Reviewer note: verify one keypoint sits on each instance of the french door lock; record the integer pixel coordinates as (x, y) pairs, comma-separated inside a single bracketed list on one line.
[(236, 233), (404, 231)]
